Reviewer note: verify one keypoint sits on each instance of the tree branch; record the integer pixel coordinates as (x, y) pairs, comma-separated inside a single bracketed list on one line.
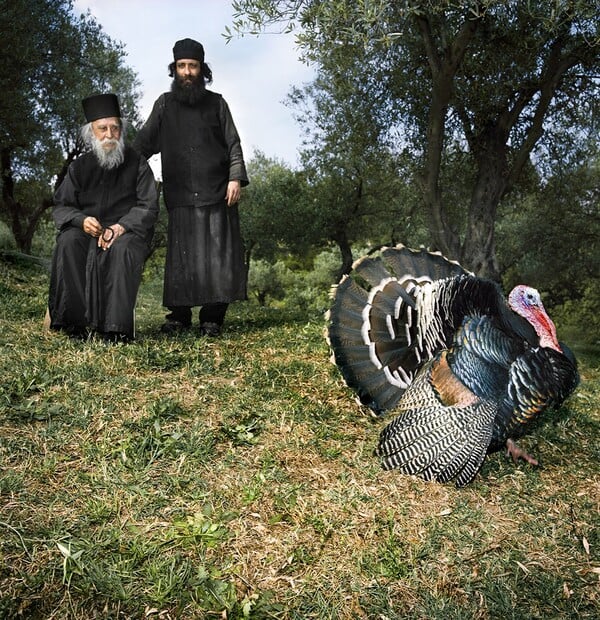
[(555, 69)]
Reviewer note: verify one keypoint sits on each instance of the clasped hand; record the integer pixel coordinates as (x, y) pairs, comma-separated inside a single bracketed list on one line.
[(106, 236)]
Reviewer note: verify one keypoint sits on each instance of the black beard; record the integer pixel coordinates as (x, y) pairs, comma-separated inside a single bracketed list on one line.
[(188, 93)]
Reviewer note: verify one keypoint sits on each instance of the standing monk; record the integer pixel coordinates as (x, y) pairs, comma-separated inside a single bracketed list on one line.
[(203, 170), (105, 210)]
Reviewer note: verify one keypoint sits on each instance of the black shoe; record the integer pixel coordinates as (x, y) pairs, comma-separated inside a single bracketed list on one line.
[(212, 330), (75, 332), (171, 327)]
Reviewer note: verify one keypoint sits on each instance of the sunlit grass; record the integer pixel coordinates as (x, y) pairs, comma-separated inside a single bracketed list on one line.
[(193, 478)]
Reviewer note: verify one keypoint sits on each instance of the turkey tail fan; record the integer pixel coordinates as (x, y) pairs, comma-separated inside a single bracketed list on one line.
[(421, 264), (363, 344), (439, 444), (373, 322)]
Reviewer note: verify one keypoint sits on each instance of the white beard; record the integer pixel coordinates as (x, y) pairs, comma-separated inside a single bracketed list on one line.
[(109, 158)]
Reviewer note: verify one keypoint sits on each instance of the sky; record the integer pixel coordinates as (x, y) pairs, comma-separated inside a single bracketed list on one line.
[(254, 74)]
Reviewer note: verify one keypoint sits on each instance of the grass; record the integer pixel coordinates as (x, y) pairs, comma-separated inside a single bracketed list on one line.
[(234, 478)]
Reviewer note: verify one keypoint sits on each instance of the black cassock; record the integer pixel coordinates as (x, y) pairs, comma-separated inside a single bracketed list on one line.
[(91, 287), (205, 259), (200, 153)]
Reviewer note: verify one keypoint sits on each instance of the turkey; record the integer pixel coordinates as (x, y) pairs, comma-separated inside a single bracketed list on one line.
[(467, 370)]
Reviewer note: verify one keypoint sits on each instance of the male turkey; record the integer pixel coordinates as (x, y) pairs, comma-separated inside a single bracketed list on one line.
[(468, 370)]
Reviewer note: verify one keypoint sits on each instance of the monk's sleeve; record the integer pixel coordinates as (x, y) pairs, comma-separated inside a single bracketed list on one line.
[(237, 167), (147, 140), (142, 216), (65, 210)]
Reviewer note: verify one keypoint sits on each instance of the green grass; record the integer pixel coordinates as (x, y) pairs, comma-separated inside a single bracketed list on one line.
[(188, 478)]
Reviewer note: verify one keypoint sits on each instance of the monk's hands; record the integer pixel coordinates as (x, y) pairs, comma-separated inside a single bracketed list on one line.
[(234, 191), (109, 235), (106, 236)]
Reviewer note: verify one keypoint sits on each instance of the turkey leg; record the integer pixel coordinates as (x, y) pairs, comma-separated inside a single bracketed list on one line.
[(517, 453)]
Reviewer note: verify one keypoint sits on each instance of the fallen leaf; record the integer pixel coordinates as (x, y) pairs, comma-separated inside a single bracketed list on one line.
[(586, 545)]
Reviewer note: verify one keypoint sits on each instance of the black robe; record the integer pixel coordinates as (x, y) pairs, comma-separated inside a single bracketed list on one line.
[(200, 153), (90, 287)]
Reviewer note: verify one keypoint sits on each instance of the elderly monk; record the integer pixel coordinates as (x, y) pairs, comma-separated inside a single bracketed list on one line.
[(105, 210)]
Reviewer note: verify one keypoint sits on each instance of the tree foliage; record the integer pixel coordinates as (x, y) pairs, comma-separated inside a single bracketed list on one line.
[(550, 239), (50, 60), (563, 264), (274, 217), (354, 172), (478, 89)]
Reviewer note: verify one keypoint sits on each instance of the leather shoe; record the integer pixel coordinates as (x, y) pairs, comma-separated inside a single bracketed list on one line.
[(171, 327), (212, 330)]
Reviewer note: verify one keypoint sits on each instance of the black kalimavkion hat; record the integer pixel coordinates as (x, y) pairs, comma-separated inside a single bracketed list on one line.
[(101, 106), (188, 48)]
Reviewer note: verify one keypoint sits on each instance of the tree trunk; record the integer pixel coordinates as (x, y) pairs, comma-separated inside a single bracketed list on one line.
[(341, 238), (8, 197), (21, 227), (32, 224), (23, 224), (479, 249), (443, 69)]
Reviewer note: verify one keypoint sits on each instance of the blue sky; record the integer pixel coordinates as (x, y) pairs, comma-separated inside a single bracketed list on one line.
[(254, 74)]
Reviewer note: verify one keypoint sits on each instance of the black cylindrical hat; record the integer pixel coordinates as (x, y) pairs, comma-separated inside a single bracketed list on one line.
[(188, 48), (101, 106)]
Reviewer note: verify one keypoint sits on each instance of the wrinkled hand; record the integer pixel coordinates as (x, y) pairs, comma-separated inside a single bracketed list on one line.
[(234, 191), (92, 226), (109, 235)]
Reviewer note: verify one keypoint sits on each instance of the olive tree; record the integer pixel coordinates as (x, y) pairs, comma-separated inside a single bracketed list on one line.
[(50, 59), (481, 90)]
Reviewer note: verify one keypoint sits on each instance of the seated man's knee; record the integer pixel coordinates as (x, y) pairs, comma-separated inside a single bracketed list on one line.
[(72, 235), (127, 248), (72, 240)]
